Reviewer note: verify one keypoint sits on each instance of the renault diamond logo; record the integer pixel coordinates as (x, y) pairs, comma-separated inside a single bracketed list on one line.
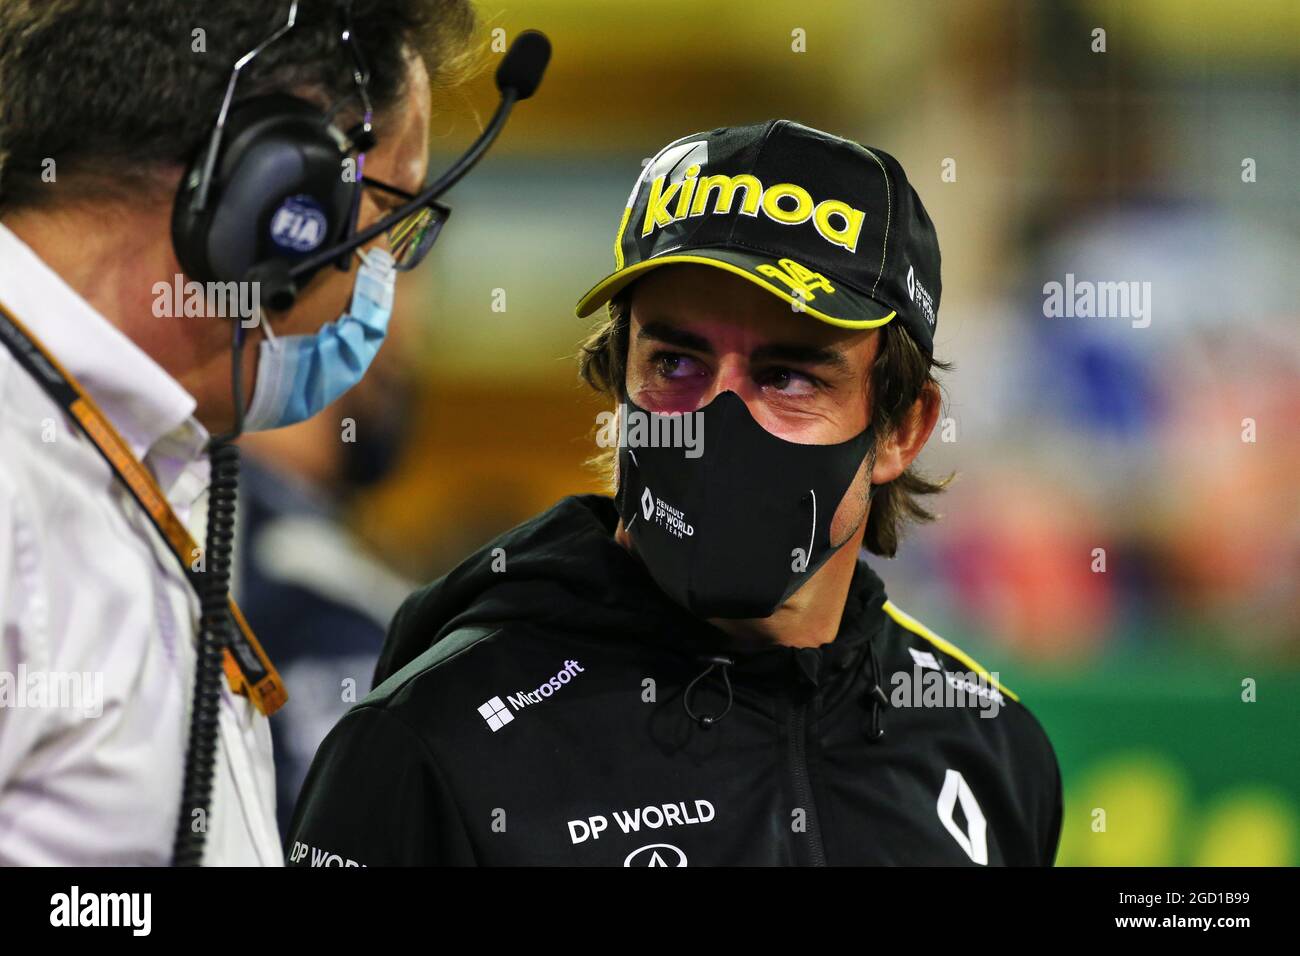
[(974, 840), (647, 504)]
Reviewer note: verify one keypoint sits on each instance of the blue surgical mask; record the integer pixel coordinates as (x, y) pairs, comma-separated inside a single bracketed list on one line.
[(298, 375)]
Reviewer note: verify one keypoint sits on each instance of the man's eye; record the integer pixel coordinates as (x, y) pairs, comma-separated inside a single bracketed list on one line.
[(674, 365), (788, 381)]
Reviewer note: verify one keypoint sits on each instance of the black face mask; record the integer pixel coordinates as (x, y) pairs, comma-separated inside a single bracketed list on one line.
[(737, 529)]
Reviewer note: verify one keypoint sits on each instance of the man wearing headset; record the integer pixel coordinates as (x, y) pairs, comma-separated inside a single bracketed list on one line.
[(112, 384), (703, 669)]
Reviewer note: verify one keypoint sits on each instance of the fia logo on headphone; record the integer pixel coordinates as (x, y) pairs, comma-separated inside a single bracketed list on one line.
[(299, 225)]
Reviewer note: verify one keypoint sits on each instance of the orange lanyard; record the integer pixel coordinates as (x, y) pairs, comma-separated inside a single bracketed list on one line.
[(247, 667)]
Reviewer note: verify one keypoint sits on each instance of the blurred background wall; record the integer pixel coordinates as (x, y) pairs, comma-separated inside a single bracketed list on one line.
[(1122, 542)]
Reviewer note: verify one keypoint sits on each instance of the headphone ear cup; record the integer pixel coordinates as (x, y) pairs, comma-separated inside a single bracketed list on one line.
[(277, 192), (188, 224)]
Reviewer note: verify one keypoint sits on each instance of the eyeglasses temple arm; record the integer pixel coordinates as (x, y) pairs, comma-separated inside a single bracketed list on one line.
[(423, 198)]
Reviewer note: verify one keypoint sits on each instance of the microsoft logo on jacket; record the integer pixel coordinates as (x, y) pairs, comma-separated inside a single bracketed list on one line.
[(497, 715)]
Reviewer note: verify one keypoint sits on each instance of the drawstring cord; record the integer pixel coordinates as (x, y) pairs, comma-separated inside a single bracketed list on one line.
[(876, 694), (708, 720)]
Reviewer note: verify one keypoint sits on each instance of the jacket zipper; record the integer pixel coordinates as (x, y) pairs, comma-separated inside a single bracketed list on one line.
[(803, 783)]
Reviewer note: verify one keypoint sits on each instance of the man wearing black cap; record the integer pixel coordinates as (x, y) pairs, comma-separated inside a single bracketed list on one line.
[(702, 670)]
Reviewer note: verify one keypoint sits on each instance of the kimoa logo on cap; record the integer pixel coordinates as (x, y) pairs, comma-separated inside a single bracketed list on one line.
[(787, 203)]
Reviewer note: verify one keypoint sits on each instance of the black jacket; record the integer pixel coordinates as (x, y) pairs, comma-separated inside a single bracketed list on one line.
[(535, 706)]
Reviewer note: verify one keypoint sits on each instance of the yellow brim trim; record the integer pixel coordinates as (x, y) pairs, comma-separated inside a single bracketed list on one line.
[(614, 283)]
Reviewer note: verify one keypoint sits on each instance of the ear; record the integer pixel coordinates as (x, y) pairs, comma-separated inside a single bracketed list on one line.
[(896, 452)]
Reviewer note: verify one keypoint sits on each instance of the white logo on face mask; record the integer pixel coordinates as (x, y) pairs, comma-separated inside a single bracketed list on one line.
[(673, 520)]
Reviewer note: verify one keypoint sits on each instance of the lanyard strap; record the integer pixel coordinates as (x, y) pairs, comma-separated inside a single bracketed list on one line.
[(247, 667)]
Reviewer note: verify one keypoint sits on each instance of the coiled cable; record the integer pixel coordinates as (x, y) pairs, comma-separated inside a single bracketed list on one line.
[(214, 629)]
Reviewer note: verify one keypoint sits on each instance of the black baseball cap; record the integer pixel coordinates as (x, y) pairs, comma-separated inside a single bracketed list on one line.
[(816, 219)]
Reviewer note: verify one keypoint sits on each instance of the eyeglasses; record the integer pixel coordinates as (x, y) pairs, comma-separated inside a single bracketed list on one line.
[(411, 238)]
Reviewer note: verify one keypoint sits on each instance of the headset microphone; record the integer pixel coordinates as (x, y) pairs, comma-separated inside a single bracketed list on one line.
[(524, 63), (518, 77)]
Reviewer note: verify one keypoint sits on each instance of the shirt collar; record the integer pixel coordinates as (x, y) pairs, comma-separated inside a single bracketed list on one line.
[(142, 401)]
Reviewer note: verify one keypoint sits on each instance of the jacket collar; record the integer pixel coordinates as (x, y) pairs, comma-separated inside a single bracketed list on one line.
[(811, 667), (765, 664)]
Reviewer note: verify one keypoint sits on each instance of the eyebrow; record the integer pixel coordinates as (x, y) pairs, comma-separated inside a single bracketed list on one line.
[(386, 202), (386, 197), (777, 351)]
